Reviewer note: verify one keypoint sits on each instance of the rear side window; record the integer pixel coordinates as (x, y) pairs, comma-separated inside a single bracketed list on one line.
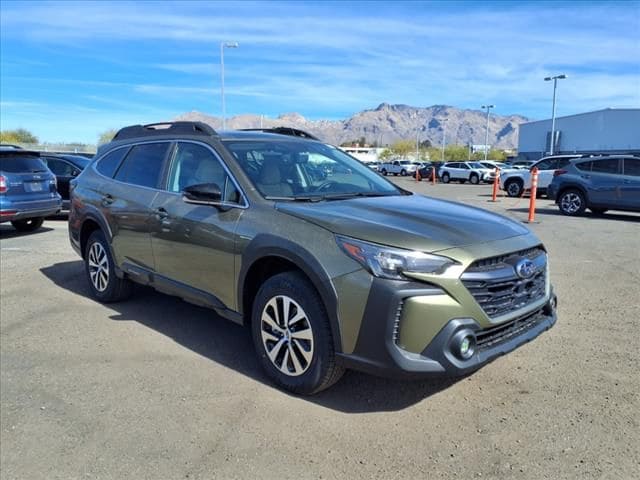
[(609, 165), (143, 165), (632, 167), (59, 168), (108, 164), (21, 164), (584, 166)]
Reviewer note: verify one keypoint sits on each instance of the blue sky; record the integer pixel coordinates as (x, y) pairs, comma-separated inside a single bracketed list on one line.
[(70, 70)]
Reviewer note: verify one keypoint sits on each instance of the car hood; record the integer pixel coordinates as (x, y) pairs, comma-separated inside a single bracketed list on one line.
[(412, 222)]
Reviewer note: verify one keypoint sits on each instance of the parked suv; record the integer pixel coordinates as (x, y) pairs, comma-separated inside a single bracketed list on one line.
[(597, 183), (473, 172), (349, 271), (65, 167), (514, 182), (27, 189)]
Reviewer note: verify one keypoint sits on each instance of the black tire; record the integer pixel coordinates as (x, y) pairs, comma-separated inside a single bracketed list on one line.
[(383, 172), (598, 210), (403, 173), (572, 202), (474, 178), (514, 187), (321, 371), (116, 289), (28, 224), (445, 178)]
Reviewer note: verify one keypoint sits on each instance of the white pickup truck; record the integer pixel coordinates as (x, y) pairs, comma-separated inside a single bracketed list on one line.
[(397, 167), (514, 182)]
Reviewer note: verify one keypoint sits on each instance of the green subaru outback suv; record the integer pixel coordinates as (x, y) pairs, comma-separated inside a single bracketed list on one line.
[(330, 265)]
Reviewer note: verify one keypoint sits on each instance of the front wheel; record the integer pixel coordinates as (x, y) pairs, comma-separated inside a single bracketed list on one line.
[(104, 284), (572, 202), (514, 188), (473, 178), (28, 224), (446, 178), (292, 336)]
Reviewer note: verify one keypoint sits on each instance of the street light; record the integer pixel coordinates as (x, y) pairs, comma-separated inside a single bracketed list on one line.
[(224, 45), (553, 111), (486, 135), (444, 133)]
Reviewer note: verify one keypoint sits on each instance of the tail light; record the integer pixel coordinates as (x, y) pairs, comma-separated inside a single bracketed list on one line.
[(557, 173), (3, 184)]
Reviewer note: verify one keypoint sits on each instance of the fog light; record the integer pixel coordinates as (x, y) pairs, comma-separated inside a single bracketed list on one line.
[(464, 345)]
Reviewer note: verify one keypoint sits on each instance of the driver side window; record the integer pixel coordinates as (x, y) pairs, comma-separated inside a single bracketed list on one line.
[(194, 164)]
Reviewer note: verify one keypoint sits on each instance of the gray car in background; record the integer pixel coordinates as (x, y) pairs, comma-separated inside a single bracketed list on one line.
[(597, 183)]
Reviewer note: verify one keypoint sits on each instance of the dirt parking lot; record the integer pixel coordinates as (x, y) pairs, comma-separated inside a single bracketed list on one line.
[(155, 388)]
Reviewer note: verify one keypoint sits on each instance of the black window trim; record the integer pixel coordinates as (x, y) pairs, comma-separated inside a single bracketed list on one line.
[(63, 160), (165, 177)]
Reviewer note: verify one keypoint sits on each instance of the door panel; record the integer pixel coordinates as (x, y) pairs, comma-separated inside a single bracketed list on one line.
[(605, 182), (631, 183), (195, 244)]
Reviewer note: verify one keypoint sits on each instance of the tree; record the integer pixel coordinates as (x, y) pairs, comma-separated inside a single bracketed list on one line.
[(402, 148), (385, 155), (19, 135), (107, 136)]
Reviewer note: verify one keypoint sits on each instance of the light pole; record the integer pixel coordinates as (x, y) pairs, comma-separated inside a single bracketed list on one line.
[(224, 45), (486, 135), (444, 133), (553, 110)]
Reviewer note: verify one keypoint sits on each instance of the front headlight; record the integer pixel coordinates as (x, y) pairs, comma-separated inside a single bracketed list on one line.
[(388, 262)]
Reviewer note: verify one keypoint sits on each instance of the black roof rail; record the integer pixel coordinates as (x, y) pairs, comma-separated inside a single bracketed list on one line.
[(292, 132), (165, 128)]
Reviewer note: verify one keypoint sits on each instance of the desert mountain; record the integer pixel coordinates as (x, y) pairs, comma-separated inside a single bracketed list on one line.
[(388, 123)]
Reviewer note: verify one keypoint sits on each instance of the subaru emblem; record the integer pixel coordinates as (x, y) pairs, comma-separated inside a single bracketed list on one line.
[(525, 268)]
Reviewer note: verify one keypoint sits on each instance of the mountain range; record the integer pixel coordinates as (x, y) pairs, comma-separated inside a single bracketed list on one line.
[(389, 123)]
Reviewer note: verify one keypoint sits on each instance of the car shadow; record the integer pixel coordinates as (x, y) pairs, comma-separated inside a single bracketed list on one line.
[(620, 216), (204, 332), (7, 231)]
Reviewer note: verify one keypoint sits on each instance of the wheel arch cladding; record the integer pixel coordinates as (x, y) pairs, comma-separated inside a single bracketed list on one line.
[(267, 255)]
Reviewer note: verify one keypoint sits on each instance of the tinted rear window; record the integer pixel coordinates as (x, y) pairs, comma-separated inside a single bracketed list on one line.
[(21, 164), (143, 165), (632, 166), (108, 164)]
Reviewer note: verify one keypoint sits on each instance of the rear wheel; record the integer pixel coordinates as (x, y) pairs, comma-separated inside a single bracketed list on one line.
[(292, 336), (445, 178), (105, 286), (403, 173), (28, 224), (572, 202), (383, 172), (474, 178), (514, 187)]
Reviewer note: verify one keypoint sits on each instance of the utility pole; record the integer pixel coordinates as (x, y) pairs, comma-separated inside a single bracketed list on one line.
[(486, 135), (553, 110)]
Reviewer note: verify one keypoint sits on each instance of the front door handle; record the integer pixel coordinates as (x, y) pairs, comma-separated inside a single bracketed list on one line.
[(107, 200), (161, 213)]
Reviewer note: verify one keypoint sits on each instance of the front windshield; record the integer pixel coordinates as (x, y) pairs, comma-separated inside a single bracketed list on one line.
[(295, 170)]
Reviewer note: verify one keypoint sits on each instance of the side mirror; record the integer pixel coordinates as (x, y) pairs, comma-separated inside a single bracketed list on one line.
[(202, 194)]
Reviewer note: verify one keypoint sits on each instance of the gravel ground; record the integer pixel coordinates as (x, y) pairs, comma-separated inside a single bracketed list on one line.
[(155, 388)]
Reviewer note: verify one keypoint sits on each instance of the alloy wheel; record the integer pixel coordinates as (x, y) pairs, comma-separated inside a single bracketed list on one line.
[(571, 203), (287, 336), (98, 267)]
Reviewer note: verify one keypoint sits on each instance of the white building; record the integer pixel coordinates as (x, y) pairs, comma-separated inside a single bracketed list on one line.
[(612, 130), (364, 154)]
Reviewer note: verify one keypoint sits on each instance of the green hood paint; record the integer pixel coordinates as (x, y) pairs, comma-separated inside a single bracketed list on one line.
[(412, 222)]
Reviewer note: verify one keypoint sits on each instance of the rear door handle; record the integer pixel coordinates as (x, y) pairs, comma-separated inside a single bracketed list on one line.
[(107, 200), (161, 213)]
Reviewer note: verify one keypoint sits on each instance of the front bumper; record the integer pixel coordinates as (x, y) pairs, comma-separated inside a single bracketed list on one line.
[(380, 350)]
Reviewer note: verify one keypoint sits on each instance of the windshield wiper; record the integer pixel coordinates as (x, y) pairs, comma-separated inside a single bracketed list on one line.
[(344, 196), (298, 198)]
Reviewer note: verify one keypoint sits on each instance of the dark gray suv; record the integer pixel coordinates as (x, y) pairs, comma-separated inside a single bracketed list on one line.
[(599, 184)]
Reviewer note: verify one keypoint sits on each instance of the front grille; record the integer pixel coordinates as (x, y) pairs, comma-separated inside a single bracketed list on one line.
[(493, 336), (496, 287)]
